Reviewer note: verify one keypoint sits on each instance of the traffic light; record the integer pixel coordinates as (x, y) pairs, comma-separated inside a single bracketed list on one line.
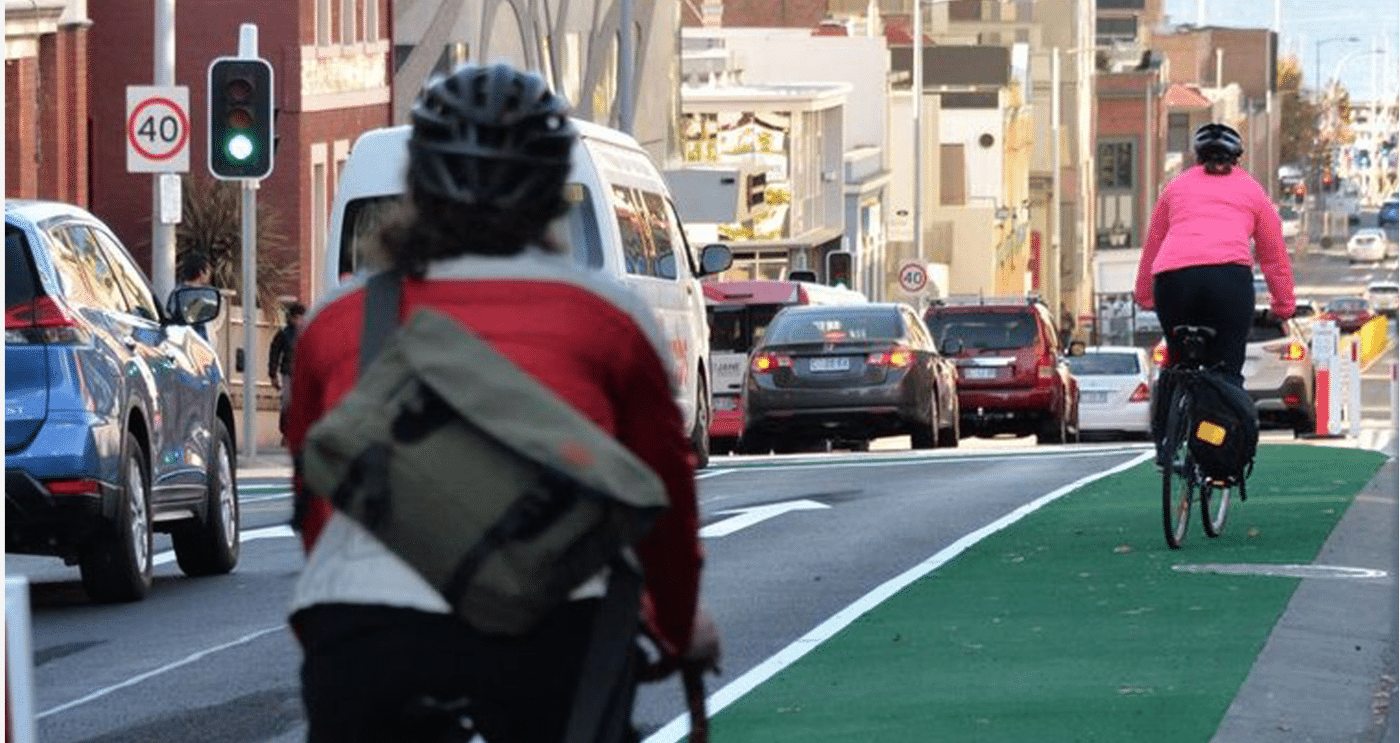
[(240, 118), (838, 268)]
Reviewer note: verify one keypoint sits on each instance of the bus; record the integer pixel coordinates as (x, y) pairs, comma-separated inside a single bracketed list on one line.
[(739, 313)]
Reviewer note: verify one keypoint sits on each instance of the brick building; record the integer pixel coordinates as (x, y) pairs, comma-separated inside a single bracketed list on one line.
[(46, 100), (330, 62)]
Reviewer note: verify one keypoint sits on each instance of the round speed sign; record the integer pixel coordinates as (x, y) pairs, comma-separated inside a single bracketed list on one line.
[(157, 129), (913, 277)]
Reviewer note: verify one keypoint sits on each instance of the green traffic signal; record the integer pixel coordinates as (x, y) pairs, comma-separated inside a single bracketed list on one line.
[(239, 147), (241, 116)]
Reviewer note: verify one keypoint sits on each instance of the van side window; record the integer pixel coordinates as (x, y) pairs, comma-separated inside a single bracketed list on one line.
[(659, 225), (584, 241), (636, 250)]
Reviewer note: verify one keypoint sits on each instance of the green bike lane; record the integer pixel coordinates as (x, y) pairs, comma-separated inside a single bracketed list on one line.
[(1073, 623)]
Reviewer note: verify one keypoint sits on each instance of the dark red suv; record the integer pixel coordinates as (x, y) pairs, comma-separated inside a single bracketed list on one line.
[(1012, 373)]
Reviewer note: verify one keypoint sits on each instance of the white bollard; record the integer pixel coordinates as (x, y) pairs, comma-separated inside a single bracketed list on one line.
[(19, 663), (1354, 385)]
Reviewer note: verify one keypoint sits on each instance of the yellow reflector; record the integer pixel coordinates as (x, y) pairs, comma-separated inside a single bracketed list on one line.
[(1210, 433)]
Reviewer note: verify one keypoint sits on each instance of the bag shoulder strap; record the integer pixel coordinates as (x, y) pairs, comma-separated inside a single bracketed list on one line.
[(382, 295)]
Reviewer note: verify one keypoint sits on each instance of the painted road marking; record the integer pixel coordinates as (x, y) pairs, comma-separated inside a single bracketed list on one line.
[(266, 532), (1283, 571), (747, 517), (734, 690), (158, 671)]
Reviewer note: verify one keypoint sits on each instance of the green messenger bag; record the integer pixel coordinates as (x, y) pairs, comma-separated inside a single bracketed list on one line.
[(503, 496)]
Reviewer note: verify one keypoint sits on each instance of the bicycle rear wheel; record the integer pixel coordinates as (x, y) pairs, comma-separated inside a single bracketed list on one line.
[(1215, 507), (1178, 473)]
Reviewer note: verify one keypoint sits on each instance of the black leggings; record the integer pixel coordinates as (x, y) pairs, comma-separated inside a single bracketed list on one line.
[(364, 666), (1218, 296)]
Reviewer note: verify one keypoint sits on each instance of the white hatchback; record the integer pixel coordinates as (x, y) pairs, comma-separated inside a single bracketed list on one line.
[(1368, 244), (1115, 389)]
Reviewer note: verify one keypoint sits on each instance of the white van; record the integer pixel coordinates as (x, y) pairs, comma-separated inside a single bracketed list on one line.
[(622, 223)]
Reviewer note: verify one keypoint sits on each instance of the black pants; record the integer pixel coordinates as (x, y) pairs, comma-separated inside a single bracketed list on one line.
[(1221, 297), (365, 666)]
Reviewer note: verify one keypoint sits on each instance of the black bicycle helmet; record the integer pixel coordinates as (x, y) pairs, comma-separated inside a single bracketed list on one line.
[(490, 135), (1217, 143)]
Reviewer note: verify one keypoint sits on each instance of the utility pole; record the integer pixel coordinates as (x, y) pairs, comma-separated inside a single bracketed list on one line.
[(163, 232), (1056, 278)]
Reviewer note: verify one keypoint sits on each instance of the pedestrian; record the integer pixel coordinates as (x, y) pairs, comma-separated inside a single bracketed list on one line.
[(1209, 225), (489, 154), (194, 271), (279, 361)]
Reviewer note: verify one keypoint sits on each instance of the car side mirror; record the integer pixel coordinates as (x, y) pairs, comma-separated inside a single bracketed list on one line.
[(666, 266), (715, 259), (1076, 348), (950, 345), (192, 305)]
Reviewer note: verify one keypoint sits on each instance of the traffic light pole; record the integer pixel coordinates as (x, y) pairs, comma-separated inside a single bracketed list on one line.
[(248, 48)]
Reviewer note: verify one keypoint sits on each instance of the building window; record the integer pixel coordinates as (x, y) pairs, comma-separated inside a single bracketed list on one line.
[(1117, 217), (371, 21), (1178, 132), (1122, 4), (348, 33), (323, 22), (1110, 30)]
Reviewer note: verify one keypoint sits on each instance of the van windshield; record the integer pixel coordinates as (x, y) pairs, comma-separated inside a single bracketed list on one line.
[(365, 218)]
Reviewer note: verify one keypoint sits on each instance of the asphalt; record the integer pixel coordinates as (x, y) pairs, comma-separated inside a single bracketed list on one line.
[(1328, 671)]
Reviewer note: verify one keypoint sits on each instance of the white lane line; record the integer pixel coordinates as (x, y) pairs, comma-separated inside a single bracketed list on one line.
[(680, 727), (711, 473), (267, 532), (265, 497), (156, 672)]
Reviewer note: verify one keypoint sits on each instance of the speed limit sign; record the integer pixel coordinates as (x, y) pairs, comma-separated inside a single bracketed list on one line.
[(913, 277), (157, 129)]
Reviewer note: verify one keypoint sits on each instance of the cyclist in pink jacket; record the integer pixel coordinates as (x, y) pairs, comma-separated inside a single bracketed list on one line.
[(1196, 266)]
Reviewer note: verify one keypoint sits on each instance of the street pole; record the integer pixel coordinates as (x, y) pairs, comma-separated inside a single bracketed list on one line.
[(162, 233), (916, 90), (1056, 261), (626, 68), (248, 48)]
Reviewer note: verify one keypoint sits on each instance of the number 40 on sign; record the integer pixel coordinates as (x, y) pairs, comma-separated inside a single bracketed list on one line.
[(157, 129)]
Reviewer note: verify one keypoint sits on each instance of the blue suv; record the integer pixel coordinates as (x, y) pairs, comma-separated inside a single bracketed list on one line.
[(1389, 214), (118, 420)]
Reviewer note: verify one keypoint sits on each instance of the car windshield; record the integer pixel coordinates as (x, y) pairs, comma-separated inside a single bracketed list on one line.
[(1104, 363), (834, 326), (985, 330)]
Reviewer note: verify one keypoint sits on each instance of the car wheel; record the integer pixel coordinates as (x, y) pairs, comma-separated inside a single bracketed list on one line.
[(1055, 431), (700, 436), (924, 435), (753, 443), (117, 565), (1305, 424), (210, 546), (948, 437)]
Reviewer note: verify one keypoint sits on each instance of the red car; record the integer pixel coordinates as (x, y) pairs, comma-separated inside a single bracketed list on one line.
[(1012, 373), (1350, 313)]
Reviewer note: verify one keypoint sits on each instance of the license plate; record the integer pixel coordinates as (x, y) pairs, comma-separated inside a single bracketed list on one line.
[(1095, 396), (978, 372), (726, 402), (835, 363)]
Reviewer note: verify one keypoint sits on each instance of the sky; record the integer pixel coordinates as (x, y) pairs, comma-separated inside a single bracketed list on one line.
[(1303, 23)]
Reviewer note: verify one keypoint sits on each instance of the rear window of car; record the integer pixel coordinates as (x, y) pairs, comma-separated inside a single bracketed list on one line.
[(1104, 363), (1348, 305), (1383, 289), (985, 330), (1266, 329), (19, 277), (834, 326)]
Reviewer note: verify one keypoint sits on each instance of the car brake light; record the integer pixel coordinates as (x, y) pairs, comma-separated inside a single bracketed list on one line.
[(73, 487), (1294, 351), (1292, 398), (895, 358), (766, 362), (44, 320), (1159, 354), (1141, 394)]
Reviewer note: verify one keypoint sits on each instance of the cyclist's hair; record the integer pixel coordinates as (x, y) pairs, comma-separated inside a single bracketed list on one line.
[(1218, 148)]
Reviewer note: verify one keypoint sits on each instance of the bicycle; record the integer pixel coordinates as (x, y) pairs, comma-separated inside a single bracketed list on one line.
[(1174, 452)]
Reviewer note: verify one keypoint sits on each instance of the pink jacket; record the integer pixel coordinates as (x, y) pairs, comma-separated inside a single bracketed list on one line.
[(1203, 220)]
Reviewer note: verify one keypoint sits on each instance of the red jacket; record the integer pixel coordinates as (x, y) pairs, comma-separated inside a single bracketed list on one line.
[(592, 352)]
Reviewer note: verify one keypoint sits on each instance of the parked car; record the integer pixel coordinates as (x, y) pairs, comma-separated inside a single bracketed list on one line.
[(848, 373), (118, 418), (1350, 313), (1115, 388), (1384, 296), (1290, 220), (1389, 213), (1278, 371), (1012, 373), (1368, 244)]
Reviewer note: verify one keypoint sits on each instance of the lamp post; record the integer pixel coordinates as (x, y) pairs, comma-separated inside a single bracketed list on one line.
[(1321, 200)]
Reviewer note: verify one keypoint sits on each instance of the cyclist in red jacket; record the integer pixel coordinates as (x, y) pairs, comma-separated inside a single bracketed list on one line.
[(489, 154)]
